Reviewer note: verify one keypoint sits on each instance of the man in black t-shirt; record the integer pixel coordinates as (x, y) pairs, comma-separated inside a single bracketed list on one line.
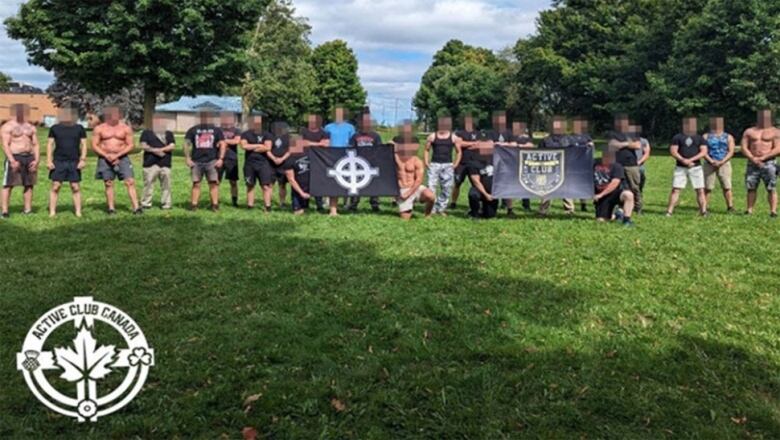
[(314, 136), (204, 152), (158, 145), (468, 140), (257, 166), (610, 190), (625, 147), (688, 148), (280, 151), (480, 170), (501, 136), (365, 138), (521, 139), (66, 155), (229, 170), (297, 171), (558, 139)]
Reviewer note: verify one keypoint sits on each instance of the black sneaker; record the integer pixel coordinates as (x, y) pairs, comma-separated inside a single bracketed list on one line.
[(731, 210), (26, 213), (235, 202), (193, 208), (628, 223), (111, 212), (511, 215), (5, 215), (773, 215), (705, 214), (583, 207), (138, 211), (375, 209), (453, 206), (214, 208)]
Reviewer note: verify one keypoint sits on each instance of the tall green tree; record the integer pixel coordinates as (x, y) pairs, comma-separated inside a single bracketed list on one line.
[(280, 77), (68, 94), (462, 79), (338, 84), (4, 80), (177, 47)]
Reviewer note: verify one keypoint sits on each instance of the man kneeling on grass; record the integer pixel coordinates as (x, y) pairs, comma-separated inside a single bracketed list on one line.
[(611, 190), (410, 178), (296, 169)]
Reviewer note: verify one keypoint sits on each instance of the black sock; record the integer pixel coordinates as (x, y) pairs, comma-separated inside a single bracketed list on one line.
[(626, 219), (235, 200)]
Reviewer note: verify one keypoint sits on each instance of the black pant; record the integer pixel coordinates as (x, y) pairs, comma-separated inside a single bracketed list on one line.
[(527, 204), (320, 203), (355, 201), (480, 207)]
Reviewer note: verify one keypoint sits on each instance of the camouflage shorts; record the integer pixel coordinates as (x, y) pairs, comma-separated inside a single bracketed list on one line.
[(755, 175)]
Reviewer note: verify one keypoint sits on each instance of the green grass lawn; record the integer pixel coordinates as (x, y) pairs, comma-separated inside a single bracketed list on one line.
[(365, 327)]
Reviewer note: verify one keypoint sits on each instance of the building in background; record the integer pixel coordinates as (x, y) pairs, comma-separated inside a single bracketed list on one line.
[(183, 114), (43, 111)]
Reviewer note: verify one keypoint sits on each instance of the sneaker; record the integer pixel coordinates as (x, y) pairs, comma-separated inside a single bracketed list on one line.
[(5, 215), (668, 214), (26, 213), (584, 207), (214, 208), (773, 215), (705, 214), (193, 208), (628, 224), (619, 215), (111, 212), (453, 206), (731, 210), (511, 215), (138, 211)]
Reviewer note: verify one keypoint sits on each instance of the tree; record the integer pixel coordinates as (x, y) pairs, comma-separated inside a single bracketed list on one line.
[(279, 75), (336, 70), (179, 47), (68, 94), (4, 80), (462, 79)]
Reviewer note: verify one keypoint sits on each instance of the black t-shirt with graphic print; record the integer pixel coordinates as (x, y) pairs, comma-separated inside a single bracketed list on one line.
[(603, 175), (688, 146), (365, 139), (256, 139), (205, 139)]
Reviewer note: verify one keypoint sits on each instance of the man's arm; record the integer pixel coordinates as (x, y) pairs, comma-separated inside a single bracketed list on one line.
[(96, 143), (674, 150), (702, 153), (746, 148), (129, 142), (476, 182), (290, 174), (427, 151), (730, 153), (646, 155), (458, 151), (187, 148), (707, 156), (50, 154), (613, 185), (36, 152), (5, 134), (222, 145), (83, 157)]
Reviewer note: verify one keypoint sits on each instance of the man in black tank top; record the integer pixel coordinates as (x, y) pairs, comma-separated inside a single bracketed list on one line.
[(468, 141), (438, 160)]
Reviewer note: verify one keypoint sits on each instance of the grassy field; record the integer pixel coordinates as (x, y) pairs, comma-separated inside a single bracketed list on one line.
[(365, 327)]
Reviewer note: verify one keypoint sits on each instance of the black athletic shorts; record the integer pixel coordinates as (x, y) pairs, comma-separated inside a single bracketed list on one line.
[(605, 207), (280, 176), (65, 171), (229, 170), (255, 172), (461, 174)]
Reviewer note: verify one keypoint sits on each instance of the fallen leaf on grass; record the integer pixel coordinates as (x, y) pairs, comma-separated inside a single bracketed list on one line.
[(338, 405), (249, 433), (252, 399), (739, 420)]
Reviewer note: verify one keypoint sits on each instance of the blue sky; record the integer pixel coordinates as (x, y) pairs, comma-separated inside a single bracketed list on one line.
[(394, 39)]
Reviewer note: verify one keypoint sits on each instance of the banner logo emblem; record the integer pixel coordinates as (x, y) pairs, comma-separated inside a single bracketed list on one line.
[(83, 363), (353, 173), (542, 171)]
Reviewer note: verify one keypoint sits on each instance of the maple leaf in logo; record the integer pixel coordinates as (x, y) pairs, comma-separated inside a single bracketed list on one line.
[(86, 361)]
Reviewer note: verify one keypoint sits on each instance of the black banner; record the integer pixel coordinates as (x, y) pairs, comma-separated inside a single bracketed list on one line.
[(339, 172), (540, 173)]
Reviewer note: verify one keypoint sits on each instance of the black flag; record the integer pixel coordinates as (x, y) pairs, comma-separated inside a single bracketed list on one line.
[(524, 173), (368, 171)]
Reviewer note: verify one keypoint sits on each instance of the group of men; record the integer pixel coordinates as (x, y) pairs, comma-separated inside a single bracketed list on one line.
[(450, 157)]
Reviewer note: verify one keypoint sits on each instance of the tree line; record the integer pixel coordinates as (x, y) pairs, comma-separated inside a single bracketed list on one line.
[(140, 52), (656, 60)]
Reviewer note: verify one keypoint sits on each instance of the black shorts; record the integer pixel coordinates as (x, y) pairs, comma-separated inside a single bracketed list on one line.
[(229, 170), (605, 207), (280, 176), (65, 171), (255, 172), (461, 174)]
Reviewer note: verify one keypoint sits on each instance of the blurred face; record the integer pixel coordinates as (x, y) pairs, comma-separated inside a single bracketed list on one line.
[(580, 126), (406, 150), (279, 129), (717, 124), (204, 117), (339, 116), (559, 125), (468, 123), (445, 124), (765, 118), (159, 124), (501, 122), (313, 122), (227, 119), (66, 116), (256, 123), (20, 112), (112, 115), (608, 157), (690, 127), (365, 122), (296, 146), (519, 128), (621, 124)]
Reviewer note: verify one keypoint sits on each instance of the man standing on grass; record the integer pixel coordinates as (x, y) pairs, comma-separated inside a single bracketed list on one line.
[(22, 155), (410, 179), (625, 146), (611, 191), (313, 136), (204, 151), (340, 133), (500, 136), (581, 138), (558, 139), (112, 141), (642, 156), (66, 156), (158, 145), (761, 145), (365, 138), (717, 165), (521, 139), (441, 167), (229, 169), (468, 140), (280, 152), (688, 148), (257, 166)]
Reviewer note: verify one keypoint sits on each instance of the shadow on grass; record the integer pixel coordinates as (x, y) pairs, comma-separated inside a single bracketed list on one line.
[(411, 345)]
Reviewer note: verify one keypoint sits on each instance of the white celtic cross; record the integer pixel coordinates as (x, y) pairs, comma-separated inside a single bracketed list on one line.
[(353, 173)]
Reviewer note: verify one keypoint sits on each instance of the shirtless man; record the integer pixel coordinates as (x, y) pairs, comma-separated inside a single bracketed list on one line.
[(112, 141), (22, 152), (410, 180), (761, 145)]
